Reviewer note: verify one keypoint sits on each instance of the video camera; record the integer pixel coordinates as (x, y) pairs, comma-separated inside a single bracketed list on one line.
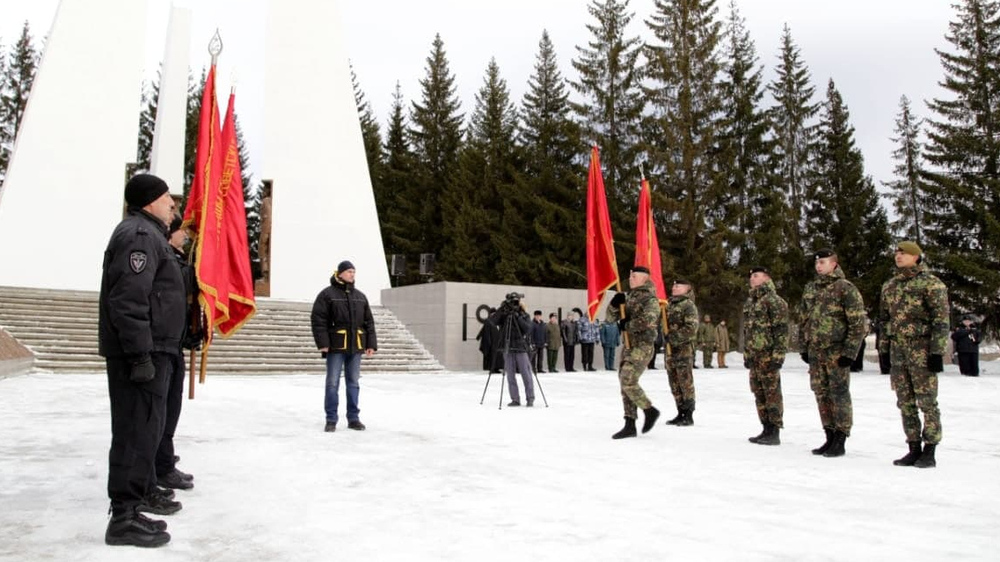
[(511, 303)]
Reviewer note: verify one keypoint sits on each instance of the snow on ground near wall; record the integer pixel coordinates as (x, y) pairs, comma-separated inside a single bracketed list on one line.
[(437, 476)]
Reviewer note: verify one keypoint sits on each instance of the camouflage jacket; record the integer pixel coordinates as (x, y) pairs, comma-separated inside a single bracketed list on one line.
[(682, 320), (914, 311), (832, 316), (765, 323), (642, 309), (706, 335)]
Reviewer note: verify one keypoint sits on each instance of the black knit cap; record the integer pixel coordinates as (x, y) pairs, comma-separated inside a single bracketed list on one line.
[(641, 269), (344, 266), (759, 269), (538, 313), (175, 224), (143, 189)]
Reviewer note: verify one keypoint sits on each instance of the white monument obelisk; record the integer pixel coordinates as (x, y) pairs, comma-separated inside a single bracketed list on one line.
[(323, 206), (64, 188), (166, 158)]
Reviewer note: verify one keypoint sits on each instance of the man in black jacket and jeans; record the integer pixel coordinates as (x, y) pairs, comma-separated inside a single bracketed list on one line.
[(343, 327), (141, 320)]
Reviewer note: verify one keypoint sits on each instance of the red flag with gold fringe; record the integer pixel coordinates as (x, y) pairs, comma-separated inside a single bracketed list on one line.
[(602, 267), (647, 248)]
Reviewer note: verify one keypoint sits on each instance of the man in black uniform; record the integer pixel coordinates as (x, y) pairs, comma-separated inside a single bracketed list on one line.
[(140, 326), (167, 473)]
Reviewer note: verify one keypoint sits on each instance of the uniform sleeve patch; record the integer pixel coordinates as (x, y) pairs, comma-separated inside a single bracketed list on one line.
[(137, 261)]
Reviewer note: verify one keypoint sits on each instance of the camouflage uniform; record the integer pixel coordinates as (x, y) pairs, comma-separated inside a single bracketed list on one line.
[(642, 309), (682, 321), (706, 342), (765, 337), (832, 325), (914, 317)]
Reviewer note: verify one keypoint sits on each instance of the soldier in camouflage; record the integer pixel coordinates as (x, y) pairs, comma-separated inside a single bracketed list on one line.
[(706, 341), (765, 337), (682, 324), (831, 327), (914, 318), (642, 314)]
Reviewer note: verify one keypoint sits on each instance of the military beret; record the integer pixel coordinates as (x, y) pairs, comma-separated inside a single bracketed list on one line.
[(640, 269), (143, 189), (910, 248), (682, 282), (824, 253), (759, 269)]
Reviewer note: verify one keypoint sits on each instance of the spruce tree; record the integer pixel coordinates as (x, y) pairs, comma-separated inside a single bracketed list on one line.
[(751, 205), (251, 197), (147, 124), (398, 200), (553, 172), (793, 131), (371, 136), (610, 109), (682, 135), (436, 136), (5, 151), (22, 62), (845, 213), (963, 151), (907, 191)]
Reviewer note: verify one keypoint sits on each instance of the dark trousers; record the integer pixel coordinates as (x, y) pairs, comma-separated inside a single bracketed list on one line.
[(587, 355), (968, 363), (175, 398), (137, 418), (569, 354), (538, 359)]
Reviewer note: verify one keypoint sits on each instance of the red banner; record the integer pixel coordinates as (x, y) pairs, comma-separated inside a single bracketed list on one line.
[(602, 267), (647, 248), (230, 218)]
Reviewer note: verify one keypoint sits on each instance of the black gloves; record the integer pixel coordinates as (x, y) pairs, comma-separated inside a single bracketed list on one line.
[(144, 371), (844, 361), (622, 324), (884, 363), (618, 300), (935, 363), (777, 363), (805, 357)]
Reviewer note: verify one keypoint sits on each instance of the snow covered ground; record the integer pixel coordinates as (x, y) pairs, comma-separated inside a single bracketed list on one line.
[(437, 476)]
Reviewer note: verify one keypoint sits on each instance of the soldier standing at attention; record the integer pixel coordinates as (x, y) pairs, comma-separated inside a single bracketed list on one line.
[(832, 325), (914, 317), (706, 341), (765, 336), (682, 320), (642, 314)]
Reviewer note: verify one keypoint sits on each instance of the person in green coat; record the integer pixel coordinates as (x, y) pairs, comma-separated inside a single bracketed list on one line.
[(553, 339), (706, 341)]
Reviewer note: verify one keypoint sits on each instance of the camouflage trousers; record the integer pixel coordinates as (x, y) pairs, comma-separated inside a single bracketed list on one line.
[(832, 386), (765, 384), (706, 355), (916, 389), (634, 361), (680, 365)]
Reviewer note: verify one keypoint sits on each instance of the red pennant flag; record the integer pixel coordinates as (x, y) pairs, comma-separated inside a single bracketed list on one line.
[(602, 267), (647, 248), (230, 216)]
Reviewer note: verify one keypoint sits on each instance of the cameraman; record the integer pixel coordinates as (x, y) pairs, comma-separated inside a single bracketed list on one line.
[(515, 328)]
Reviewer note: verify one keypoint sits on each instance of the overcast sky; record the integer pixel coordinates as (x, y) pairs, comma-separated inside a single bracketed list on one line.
[(874, 50)]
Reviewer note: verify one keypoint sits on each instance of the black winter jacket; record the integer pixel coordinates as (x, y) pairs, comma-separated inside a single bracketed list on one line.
[(342, 320), (966, 339), (515, 330), (142, 302)]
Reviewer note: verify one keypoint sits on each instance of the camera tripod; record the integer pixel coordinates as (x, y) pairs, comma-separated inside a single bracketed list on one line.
[(505, 335)]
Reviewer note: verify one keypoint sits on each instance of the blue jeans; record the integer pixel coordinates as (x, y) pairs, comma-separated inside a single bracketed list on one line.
[(350, 363), (609, 357)]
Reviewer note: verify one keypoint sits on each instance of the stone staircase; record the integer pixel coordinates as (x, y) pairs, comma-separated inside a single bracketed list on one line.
[(60, 328)]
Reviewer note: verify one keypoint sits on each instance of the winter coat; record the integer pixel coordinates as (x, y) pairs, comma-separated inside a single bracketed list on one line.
[(967, 339), (832, 317), (570, 335), (587, 331), (914, 314), (342, 320), (765, 324), (538, 334), (722, 338), (610, 336), (553, 335), (682, 321), (142, 304), (515, 330), (706, 336), (642, 310)]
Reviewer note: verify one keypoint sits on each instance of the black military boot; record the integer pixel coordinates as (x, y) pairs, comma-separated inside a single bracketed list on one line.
[(763, 432), (652, 414), (627, 431), (771, 435), (836, 448), (677, 419), (910, 457), (174, 480), (687, 416), (134, 529), (926, 459), (158, 504), (826, 445)]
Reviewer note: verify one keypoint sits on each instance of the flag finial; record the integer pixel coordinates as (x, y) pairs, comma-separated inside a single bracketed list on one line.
[(215, 46)]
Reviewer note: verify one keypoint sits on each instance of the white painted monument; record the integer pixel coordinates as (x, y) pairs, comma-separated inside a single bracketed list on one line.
[(166, 158), (64, 189)]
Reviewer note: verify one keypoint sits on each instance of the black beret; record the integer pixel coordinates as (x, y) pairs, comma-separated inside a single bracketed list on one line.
[(143, 189), (641, 269), (824, 253), (759, 269), (682, 282)]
